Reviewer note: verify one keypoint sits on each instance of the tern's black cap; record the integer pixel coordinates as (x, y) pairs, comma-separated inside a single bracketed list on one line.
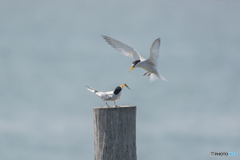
[(117, 90), (135, 62)]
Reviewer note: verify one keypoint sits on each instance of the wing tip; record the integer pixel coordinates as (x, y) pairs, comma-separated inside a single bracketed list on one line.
[(158, 40), (106, 38)]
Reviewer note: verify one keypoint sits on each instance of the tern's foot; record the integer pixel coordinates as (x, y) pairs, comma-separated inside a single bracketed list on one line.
[(145, 74), (115, 104), (150, 73)]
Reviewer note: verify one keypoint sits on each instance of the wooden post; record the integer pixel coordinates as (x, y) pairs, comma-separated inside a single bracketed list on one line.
[(115, 133)]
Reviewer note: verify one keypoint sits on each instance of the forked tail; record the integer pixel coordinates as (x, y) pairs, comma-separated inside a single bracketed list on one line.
[(94, 91), (91, 89), (154, 77)]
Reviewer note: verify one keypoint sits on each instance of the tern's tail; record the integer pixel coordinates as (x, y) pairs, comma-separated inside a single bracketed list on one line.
[(91, 89), (94, 91), (154, 77)]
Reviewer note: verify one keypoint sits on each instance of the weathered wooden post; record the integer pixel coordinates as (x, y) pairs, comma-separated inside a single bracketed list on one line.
[(115, 133)]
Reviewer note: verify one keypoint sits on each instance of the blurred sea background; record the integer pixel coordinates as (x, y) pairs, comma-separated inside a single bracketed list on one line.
[(49, 51)]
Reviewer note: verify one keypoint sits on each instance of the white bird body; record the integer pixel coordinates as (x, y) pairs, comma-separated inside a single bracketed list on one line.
[(110, 95), (149, 64)]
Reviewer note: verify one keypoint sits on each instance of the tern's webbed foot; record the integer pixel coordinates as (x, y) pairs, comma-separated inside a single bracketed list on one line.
[(150, 73), (145, 74), (115, 104)]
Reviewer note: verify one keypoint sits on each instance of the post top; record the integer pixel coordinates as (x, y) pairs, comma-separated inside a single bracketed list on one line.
[(113, 107)]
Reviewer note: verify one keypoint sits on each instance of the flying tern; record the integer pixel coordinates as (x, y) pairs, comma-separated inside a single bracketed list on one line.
[(110, 95), (150, 64)]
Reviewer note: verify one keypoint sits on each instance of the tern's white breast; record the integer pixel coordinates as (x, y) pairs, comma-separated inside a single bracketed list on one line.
[(147, 66)]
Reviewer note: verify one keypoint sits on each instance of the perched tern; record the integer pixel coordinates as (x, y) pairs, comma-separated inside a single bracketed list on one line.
[(149, 64), (110, 95)]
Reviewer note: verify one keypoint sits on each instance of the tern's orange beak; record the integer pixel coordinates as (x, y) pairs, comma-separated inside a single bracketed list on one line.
[(131, 68), (125, 85)]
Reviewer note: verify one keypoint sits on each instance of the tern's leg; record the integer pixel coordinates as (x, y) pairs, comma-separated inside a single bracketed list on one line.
[(150, 73), (115, 104), (107, 104), (145, 73)]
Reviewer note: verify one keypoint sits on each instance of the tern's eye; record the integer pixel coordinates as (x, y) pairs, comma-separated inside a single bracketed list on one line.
[(135, 62)]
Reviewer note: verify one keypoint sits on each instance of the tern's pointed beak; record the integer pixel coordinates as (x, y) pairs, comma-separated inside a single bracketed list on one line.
[(125, 85), (131, 68)]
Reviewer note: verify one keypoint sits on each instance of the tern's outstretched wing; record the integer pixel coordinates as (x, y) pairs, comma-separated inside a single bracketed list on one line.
[(123, 48), (154, 52)]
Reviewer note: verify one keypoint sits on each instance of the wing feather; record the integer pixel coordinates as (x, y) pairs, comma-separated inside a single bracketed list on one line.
[(106, 96), (123, 48), (154, 52)]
